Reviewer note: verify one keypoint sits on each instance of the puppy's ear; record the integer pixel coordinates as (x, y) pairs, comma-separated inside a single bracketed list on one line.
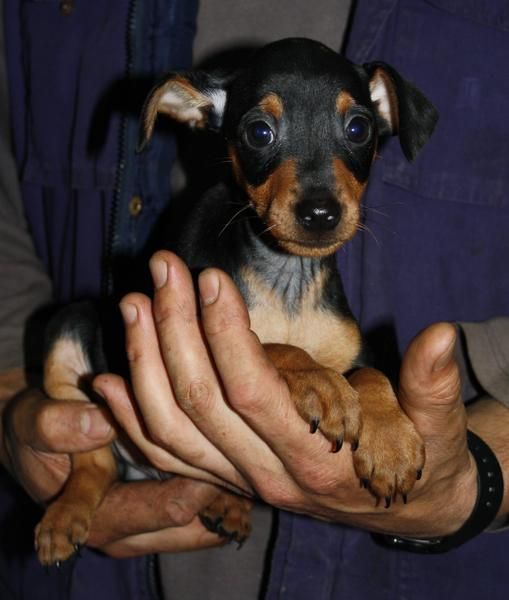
[(402, 109), (195, 98)]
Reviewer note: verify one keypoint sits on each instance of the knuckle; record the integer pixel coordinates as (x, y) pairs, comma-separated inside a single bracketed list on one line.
[(168, 313), (277, 493), (224, 320), (161, 436), (177, 513), (195, 396), (159, 462), (274, 493), (44, 421), (134, 352), (250, 395)]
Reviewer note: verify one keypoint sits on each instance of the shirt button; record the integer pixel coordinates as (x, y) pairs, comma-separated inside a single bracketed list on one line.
[(66, 7), (135, 206)]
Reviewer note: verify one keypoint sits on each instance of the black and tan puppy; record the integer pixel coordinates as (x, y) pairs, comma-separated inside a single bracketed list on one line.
[(302, 126)]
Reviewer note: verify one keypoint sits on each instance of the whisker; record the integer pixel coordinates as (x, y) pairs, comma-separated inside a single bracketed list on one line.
[(372, 209), (245, 207), (363, 227), (267, 229)]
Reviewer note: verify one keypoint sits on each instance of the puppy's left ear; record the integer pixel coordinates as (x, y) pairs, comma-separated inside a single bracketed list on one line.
[(196, 98), (402, 109)]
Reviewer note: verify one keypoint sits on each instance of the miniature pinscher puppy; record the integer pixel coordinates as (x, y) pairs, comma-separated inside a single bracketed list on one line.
[(302, 126)]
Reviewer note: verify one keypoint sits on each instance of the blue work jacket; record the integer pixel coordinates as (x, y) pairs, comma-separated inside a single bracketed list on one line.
[(434, 248)]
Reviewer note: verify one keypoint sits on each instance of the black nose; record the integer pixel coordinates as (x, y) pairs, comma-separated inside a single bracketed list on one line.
[(318, 212)]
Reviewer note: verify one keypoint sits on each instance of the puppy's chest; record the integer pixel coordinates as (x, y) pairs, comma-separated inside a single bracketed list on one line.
[(287, 308)]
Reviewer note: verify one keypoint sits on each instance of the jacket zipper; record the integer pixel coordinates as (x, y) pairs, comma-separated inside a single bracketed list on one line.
[(110, 243), (108, 275)]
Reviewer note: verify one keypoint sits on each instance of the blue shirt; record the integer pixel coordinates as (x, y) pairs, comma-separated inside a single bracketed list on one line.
[(435, 248)]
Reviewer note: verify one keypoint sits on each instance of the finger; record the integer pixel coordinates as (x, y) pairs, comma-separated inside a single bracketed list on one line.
[(173, 539), (164, 422), (149, 506), (58, 426), (122, 403), (256, 390), (193, 376), (430, 383)]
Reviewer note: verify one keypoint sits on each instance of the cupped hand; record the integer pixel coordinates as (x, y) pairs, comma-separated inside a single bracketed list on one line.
[(39, 434), (207, 393)]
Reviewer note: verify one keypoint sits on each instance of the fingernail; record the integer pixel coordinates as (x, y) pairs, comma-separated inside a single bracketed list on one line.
[(208, 284), (93, 424), (159, 270), (129, 312), (443, 360)]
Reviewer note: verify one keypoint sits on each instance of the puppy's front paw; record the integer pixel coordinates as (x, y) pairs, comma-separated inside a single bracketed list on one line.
[(229, 517), (326, 401), (61, 532), (391, 454), (390, 457)]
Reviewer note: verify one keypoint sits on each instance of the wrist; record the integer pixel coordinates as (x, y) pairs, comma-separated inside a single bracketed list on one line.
[(457, 501), (490, 493)]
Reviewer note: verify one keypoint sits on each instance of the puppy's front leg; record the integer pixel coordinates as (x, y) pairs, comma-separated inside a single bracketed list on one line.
[(65, 525), (323, 397), (391, 455)]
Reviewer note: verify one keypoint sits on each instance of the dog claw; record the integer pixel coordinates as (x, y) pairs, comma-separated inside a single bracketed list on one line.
[(418, 474), (405, 498), (388, 501), (354, 445), (337, 445), (240, 543), (313, 426), (364, 483)]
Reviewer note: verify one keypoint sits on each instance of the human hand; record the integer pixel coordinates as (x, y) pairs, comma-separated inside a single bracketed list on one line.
[(222, 381), (135, 518)]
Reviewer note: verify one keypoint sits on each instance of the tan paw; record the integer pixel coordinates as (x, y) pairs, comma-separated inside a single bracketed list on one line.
[(326, 401), (229, 517), (61, 532), (390, 456)]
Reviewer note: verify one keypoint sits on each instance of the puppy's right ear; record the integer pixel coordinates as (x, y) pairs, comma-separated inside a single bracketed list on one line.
[(195, 98)]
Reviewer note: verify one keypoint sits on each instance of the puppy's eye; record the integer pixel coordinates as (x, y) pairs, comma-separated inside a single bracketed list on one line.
[(358, 129), (259, 134)]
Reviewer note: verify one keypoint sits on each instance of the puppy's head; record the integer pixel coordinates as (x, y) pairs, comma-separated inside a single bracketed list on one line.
[(302, 125)]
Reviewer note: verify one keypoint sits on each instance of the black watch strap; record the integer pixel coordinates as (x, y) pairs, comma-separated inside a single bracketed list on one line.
[(490, 492)]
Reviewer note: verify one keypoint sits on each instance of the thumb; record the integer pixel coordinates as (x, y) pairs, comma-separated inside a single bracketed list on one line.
[(430, 383), (60, 426)]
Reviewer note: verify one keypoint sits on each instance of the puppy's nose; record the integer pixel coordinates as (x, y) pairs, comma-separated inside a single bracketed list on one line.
[(318, 212)]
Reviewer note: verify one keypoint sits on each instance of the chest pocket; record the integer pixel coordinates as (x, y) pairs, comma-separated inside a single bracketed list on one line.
[(467, 158)]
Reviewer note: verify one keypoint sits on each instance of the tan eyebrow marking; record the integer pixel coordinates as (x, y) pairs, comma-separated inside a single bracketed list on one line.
[(344, 101), (273, 105)]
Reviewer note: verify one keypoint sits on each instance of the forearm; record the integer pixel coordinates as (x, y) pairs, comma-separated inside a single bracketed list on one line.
[(490, 420)]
